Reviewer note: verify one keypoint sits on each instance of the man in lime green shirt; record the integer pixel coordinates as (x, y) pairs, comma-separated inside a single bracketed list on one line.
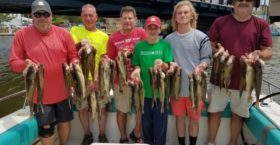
[(92, 36)]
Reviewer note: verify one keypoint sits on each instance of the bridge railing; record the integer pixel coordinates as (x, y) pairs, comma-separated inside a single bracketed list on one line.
[(220, 2)]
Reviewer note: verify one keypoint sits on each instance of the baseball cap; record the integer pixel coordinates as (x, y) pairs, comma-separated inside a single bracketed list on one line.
[(40, 5), (153, 20)]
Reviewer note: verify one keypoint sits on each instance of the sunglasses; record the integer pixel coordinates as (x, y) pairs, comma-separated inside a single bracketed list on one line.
[(248, 1), (40, 14)]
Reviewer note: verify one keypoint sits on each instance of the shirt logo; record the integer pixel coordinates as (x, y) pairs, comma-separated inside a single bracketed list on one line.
[(40, 3)]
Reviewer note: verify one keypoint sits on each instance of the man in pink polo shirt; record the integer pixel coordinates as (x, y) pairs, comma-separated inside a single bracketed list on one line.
[(125, 40), (51, 46)]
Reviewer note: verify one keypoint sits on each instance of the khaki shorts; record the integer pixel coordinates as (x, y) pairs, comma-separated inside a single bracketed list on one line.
[(219, 98), (82, 105), (123, 99), (101, 103)]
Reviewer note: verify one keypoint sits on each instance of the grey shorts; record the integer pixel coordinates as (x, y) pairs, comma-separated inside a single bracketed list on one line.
[(219, 98), (54, 113), (123, 99)]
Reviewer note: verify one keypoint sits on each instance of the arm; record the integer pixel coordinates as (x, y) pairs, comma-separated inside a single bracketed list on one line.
[(265, 43), (111, 50), (164, 66), (206, 54), (72, 54), (17, 58), (266, 53)]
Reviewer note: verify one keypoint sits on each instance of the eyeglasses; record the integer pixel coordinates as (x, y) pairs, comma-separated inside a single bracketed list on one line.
[(39, 14), (248, 1)]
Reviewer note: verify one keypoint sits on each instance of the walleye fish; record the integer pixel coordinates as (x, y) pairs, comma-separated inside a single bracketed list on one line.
[(121, 70), (78, 84), (141, 95), (176, 82), (168, 84), (134, 95), (203, 86), (161, 87), (227, 72), (192, 89), (242, 83), (223, 61), (29, 75), (93, 105), (153, 81), (40, 86), (105, 73), (112, 74), (87, 55), (217, 65), (258, 67), (250, 73), (91, 61), (67, 81), (84, 64), (197, 89)]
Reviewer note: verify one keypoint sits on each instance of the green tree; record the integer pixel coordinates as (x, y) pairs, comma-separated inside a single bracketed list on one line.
[(58, 20), (5, 17), (73, 19)]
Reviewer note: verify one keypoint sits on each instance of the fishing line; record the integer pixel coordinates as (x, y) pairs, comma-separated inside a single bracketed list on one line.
[(266, 97)]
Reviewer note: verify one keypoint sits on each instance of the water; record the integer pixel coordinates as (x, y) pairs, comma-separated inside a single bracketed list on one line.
[(272, 67), (11, 82)]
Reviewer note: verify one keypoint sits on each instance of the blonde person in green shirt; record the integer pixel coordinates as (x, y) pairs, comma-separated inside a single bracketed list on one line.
[(90, 35)]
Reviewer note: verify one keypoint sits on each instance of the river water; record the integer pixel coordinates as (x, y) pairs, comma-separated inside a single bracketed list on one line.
[(11, 82)]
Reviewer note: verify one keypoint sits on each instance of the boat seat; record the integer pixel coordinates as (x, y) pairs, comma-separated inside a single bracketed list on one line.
[(18, 129), (264, 123), (25, 131)]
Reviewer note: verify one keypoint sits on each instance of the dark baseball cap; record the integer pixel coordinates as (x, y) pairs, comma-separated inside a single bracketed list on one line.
[(40, 5)]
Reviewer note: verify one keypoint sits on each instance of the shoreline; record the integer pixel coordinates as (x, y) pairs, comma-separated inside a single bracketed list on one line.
[(7, 34)]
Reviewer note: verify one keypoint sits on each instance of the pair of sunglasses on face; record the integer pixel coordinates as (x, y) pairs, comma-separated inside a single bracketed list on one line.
[(40, 14)]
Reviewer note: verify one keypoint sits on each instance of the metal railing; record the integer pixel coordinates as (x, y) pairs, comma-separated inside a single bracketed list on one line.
[(12, 96), (271, 85)]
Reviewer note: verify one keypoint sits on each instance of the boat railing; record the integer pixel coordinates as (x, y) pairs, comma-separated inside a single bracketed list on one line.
[(270, 87), (20, 93)]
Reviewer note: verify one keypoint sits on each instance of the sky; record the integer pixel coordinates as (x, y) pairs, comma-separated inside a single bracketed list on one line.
[(264, 2)]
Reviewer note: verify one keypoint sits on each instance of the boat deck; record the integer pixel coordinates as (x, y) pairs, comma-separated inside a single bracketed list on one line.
[(17, 127)]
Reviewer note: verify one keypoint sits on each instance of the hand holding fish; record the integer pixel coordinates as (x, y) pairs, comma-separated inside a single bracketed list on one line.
[(85, 43), (158, 64), (29, 62), (125, 52), (172, 66), (93, 85), (105, 57), (219, 49), (199, 69), (135, 75), (253, 56)]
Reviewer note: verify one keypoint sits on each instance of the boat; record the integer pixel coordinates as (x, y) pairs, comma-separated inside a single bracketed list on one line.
[(262, 128), (275, 33), (275, 29)]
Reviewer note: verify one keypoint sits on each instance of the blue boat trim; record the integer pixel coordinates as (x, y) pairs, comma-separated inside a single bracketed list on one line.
[(27, 132), (24, 133), (258, 123)]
